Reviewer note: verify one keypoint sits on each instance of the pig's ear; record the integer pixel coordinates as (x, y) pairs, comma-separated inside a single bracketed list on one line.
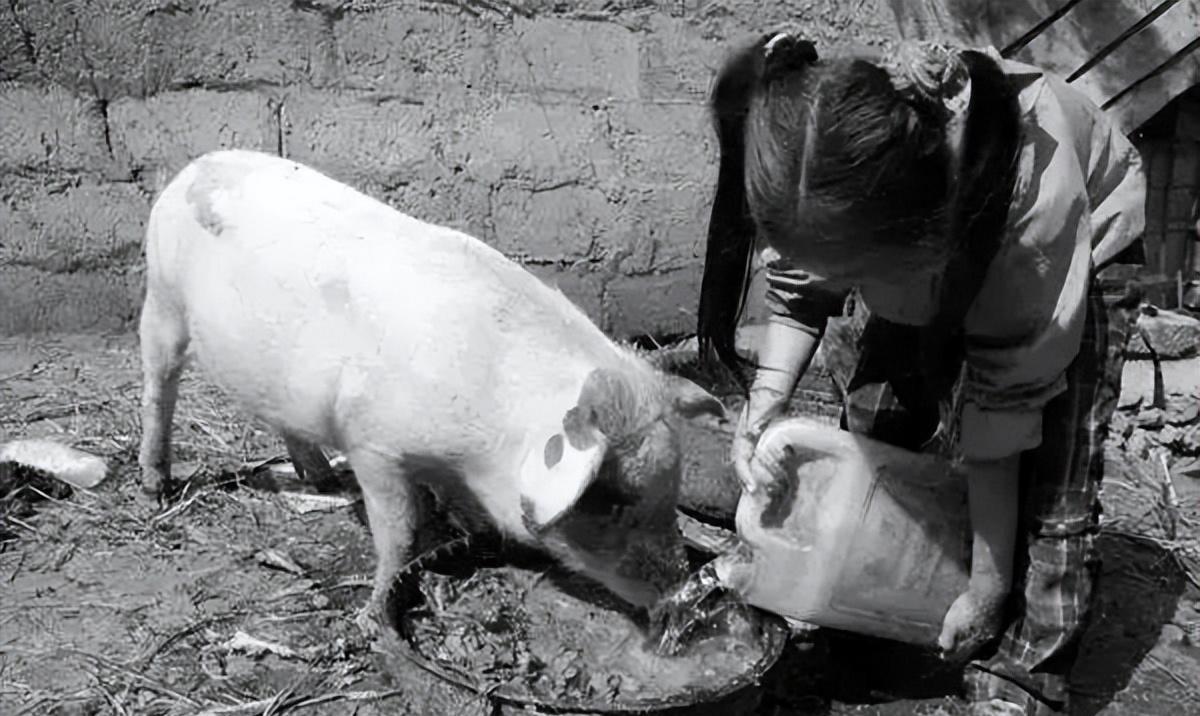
[(556, 472), (692, 401), (561, 465), (608, 402)]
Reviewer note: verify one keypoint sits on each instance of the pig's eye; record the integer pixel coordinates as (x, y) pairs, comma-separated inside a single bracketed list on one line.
[(554, 451)]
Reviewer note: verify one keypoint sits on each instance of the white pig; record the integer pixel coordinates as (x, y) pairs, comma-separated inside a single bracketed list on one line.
[(419, 352)]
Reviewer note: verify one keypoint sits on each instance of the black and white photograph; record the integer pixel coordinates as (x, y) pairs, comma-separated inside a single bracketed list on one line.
[(599, 357)]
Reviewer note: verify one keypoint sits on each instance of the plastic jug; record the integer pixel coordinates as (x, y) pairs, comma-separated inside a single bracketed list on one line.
[(861, 535)]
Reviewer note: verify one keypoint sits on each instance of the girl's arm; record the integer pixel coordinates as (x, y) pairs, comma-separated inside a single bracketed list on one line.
[(784, 355), (799, 305), (977, 615), (992, 496)]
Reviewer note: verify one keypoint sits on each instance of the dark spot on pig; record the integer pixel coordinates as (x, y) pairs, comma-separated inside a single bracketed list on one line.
[(202, 209), (579, 425), (554, 450), (211, 177)]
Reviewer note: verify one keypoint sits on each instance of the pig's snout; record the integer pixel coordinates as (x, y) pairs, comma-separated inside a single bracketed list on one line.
[(658, 561), (649, 567), (641, 582), (639, 564)]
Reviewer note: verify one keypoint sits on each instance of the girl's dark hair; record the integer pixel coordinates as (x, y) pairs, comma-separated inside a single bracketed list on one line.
[(838, 136), (731, 230), (801, 138)]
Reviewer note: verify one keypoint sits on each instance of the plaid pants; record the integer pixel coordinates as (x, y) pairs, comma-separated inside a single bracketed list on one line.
[(1056, 561)]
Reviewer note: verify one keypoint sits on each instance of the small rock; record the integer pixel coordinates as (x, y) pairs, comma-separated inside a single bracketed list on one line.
[(1173, 335), (1182, 410), (320, 601), (1168, 435), (1149, 418), (1185, 440), (1173, 634), (1129, 400), (1139, 444)]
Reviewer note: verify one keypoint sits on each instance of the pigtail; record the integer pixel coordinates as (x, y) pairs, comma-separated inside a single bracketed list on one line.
[(731, 228), (978, 220), (988, 170)]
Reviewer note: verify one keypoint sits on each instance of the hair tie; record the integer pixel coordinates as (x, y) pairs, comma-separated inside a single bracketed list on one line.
[(771, 43), (786, 49), (932, 74)]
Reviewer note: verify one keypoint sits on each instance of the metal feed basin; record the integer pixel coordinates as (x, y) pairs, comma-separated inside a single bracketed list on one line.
[(425, 651)]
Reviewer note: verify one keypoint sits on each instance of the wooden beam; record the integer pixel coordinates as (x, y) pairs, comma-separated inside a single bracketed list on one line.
[(1166, 65), (1016, 45), (1111, 47)]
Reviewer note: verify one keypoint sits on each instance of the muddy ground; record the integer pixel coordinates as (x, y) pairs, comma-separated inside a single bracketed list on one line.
[(234, 601)]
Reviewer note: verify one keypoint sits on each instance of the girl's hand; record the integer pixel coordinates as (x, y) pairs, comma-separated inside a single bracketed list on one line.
[(745, 439), (757, 466), (973, 620), (783, 356), (978, 614)]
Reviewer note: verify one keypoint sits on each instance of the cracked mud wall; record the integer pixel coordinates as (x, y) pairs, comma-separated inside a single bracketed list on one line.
[(570, 135)]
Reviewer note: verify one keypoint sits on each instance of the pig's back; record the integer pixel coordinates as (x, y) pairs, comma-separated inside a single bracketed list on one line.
[(313, 302)]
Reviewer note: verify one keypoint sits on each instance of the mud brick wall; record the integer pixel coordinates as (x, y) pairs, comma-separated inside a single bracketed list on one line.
[(571, 135)]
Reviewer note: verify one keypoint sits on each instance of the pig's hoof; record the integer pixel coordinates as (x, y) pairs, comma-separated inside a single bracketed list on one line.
[(160, 495), (154, 485), (146, 494), (368, 622), (149, 495)]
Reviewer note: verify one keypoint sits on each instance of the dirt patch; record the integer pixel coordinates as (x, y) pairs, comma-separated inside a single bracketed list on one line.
[(112, 606)]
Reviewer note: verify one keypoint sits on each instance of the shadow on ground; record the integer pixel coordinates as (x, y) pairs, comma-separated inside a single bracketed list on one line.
[(1138, 592)]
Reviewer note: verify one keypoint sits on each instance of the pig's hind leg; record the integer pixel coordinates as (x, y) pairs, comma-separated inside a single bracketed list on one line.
[(388, 497), (164, 340), (311, 464)]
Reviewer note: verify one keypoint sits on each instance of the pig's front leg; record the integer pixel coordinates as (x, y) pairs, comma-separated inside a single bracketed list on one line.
[(388, 498), (311, 464)]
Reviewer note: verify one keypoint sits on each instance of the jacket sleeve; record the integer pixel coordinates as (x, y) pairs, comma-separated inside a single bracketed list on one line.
[(1117, 188), (1076, 211), (798, 298)]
